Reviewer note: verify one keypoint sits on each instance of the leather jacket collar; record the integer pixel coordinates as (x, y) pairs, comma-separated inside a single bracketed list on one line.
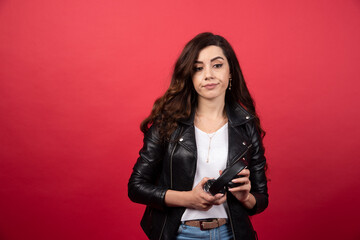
[(237, 115)]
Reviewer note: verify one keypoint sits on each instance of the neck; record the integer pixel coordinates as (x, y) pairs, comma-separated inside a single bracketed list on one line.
[(211, 109)]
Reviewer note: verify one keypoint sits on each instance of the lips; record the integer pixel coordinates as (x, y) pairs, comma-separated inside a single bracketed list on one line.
[(210, 85)]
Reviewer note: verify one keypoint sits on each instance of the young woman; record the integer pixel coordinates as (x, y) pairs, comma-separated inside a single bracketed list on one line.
[(204, 122)]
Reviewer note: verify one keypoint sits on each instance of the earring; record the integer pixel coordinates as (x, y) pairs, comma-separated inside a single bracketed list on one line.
[(230, 83)]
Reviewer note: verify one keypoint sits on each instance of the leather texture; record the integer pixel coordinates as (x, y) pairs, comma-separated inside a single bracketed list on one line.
[(172, 165)]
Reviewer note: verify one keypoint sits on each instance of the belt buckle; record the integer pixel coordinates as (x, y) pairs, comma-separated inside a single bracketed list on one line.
[(201, 224)]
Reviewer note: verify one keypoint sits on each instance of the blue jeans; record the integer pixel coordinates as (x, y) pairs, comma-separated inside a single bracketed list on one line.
[(220, 233)]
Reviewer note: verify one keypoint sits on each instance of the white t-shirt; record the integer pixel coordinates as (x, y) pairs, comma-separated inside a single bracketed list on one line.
[(216, 156)]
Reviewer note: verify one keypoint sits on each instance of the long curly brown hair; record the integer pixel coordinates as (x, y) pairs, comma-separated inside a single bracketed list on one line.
[(180, 98)]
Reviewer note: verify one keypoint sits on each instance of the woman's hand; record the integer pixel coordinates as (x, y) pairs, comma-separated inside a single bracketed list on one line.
[(201, 200), (242, 192), (195, 199)]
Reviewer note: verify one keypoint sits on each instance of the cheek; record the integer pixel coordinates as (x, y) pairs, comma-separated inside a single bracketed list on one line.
[(196, 82), (223, 75), (225, 78)]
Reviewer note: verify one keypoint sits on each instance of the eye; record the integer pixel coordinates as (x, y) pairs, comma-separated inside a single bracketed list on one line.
[(218, 65), (197, 69)]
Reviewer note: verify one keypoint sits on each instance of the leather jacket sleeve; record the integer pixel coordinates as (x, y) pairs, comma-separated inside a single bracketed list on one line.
[(142, 186), (257, 168)]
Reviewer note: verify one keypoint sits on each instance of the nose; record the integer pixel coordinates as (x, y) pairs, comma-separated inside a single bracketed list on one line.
[(208, 73)]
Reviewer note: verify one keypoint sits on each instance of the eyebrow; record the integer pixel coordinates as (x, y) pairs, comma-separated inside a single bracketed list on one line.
[(215, 58)]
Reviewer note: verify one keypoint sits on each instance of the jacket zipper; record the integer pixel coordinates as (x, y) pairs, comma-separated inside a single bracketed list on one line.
[(231, 224), (171, 186), (162, 229), (228, 206)]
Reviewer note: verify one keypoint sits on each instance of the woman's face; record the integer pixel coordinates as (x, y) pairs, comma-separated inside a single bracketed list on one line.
[(212, 73)]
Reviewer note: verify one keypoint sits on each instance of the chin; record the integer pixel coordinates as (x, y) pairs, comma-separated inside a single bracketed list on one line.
[(212, 96)]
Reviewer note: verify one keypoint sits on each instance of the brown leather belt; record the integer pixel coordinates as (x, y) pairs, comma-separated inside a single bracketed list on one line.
[(207, 224)]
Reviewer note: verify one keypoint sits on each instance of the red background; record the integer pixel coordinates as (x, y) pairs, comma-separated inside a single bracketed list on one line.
[(77, 77)]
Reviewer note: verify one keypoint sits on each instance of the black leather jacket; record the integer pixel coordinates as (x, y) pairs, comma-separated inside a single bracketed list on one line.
[(173, 165)]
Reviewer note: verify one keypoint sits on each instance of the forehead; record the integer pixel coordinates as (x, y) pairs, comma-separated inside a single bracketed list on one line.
[(210, 52)]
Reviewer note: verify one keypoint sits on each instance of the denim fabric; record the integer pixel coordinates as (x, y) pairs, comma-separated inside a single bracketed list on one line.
[(220, 233)]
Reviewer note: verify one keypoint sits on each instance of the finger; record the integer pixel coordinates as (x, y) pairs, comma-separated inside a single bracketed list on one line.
[(246, 187), (220, 172), (243, 180), (202, 182), (242, 185), (218, 196), (206, 208), (220, 201), (205, 205), (213, 199), (245, 172), (207, 197)]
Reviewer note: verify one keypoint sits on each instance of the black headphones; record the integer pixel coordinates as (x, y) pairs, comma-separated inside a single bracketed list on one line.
[(223, 182)]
